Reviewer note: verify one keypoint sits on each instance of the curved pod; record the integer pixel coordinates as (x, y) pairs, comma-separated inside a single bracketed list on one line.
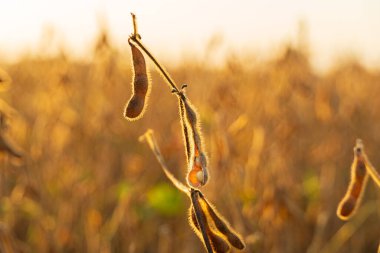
[(140, 86)]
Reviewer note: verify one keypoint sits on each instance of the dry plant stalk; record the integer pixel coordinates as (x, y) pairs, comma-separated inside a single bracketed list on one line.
[(372, 172), (360, 169), (149, 138), (208, 224)]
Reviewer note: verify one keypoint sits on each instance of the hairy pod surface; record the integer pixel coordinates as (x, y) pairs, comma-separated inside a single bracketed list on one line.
[(140, 86), (197, 175), (218, 241), (222, 225), (359, 178)]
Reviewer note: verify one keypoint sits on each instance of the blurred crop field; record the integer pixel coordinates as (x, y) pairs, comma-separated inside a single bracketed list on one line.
[(279, 136)]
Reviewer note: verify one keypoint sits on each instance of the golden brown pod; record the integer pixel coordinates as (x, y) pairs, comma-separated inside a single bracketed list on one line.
[(140, 86), (197, 175), (359, 177), (218, 242), (222, 225)]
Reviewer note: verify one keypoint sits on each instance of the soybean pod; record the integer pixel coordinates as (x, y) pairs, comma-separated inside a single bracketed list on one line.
[(359, 178), (197, 175), (140, 86)]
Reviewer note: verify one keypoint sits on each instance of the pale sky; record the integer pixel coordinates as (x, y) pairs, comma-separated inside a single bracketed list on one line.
[(176, 28)]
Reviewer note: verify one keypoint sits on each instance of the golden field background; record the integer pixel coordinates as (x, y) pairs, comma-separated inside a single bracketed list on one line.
[(279, 137)]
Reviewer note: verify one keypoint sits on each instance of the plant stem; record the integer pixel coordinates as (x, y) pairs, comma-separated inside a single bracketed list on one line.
[(135, 37), (373, 173), (158, 65), (149, 138), (135, 33), (184, 128)]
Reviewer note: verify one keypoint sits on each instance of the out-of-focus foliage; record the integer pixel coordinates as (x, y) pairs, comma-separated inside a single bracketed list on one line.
[(279, 137)]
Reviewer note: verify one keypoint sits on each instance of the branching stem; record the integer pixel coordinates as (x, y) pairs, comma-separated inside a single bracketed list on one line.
[(135, 37), (149, 138)]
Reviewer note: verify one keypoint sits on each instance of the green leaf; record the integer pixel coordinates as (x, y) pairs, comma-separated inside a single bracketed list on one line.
[(166, 199)]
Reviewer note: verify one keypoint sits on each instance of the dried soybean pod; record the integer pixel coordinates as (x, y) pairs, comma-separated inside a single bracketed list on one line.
[(222, 225), (200, 219), (140, 86), (219, 244), (193, 221), (197, 172), (359, 178), (217, 240)]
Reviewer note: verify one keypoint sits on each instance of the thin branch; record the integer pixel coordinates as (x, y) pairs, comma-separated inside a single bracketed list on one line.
[(359, 147), (184, 128), (135, 37), (135, 33), (149, 137), (158, 65), (373, 173)]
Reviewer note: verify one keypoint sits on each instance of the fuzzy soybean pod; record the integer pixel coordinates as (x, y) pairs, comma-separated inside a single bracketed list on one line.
[(203, 227), (197, 175), (218, 243), (219, 232), (140, 86), (359, 178), (222, 225)]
